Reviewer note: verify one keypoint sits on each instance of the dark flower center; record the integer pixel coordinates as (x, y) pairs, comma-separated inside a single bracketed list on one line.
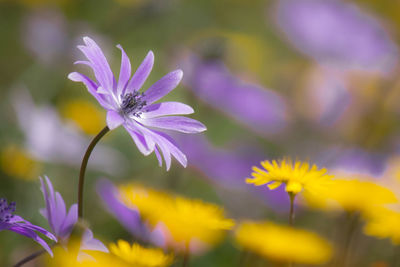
[(132, 104), (6, 210)]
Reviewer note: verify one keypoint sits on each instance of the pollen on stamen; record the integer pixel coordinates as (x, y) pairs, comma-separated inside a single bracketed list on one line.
[(132, 104)]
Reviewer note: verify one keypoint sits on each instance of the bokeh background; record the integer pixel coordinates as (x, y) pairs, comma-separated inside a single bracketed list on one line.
[(314, 80)]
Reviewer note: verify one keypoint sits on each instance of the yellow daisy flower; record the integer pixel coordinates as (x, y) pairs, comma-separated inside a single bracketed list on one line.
[(188, 219), (296, 176), (140, 256), (183, 220), (383, 223), (283, 244), (352, 195), (121, 254)]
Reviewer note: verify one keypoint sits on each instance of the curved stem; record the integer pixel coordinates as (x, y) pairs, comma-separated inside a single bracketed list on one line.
[(32, 256), (291, 216), (85, 160)]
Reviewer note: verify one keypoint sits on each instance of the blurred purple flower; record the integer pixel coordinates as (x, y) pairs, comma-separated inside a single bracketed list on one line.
[(43, 130), (15, 223), (44, 34), (128, 217), (337, 33), (137, 111), (229, 168), (349, 161), (61, 222), (260, 109)]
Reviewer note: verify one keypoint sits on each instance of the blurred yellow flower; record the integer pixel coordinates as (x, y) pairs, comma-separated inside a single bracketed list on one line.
[(122, 255), (352, 195), (296, 176), (383, 223), (68, 257), (283, 243), (140, 256), (18, 163), (182, 220), (147, 201), (188, 219), (85, 114)]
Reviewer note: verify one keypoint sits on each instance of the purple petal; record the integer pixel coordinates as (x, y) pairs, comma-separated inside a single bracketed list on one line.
[(166, 108), (163, 86), (158, 155), (128, 217), (59, 213), (167, 147), (28, 225), (173, 148), (99, 62), (166, 153), (124, 73), (114, 119), (69, 221), (175, 123), (92, 88), (139, 140), (90, 243), (31, 234), (141, 74), (48, 194)]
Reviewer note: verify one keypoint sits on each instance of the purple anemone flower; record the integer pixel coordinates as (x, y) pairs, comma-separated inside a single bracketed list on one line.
[(337, 33), (61, 222), (135, 110), (260, 109), (15, 223)]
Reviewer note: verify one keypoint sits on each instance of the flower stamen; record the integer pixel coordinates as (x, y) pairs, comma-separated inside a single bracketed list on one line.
[(132, 104)]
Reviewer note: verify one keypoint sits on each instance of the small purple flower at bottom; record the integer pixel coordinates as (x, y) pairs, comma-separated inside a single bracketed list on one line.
[(135, 110), (15, 223), (62, 222)]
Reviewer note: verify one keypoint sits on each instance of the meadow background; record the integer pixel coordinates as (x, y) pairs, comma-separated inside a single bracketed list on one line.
[(333, 102)]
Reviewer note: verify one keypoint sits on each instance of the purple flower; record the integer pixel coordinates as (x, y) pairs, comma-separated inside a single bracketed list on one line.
[(262, 110), (128, 217), (135, 110), (43, 129), (227, 168), (61, 222), (337, 33), (15, 223)]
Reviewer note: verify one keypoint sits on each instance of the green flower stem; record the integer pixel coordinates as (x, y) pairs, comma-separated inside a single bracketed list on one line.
[(85, 160), (33, 256), (291, 214), (186, 256)]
